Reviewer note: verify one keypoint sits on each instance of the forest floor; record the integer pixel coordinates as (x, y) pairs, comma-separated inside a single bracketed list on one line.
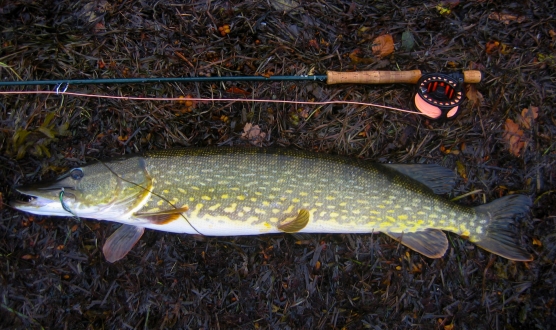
[(52, 270)]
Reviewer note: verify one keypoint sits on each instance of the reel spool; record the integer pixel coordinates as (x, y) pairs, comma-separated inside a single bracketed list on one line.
[(439, 95)]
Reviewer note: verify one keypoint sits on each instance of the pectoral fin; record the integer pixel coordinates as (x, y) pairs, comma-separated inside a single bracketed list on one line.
[(293, 225), (162, 217), (432, 243), (121, 242)]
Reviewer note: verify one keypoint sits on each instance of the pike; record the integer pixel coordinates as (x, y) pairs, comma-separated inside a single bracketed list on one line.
[(252, 191)]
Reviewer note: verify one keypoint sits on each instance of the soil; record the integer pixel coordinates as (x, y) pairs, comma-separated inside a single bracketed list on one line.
[(52, 270)]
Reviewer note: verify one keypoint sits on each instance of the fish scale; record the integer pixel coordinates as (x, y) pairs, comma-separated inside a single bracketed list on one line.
[(252, 191)]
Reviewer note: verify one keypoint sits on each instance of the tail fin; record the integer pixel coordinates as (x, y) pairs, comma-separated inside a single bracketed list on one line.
[(499, 237)]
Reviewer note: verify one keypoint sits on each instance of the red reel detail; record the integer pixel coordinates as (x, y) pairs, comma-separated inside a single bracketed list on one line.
[(439, 95)]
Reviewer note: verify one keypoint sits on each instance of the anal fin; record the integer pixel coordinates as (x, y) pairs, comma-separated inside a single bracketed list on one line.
[(296, 224), (162, 217), (121, 242), (432, 243)]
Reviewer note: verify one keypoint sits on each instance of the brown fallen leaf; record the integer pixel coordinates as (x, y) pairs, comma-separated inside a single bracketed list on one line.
[(492, 46), (355, 58), (506, 18), (528, 115), (237, 90), (514, 136), (552, 34), (383, 45), (254, 134), (473, 95)]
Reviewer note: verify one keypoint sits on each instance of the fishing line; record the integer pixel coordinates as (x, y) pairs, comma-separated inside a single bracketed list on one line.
[(203, 100)]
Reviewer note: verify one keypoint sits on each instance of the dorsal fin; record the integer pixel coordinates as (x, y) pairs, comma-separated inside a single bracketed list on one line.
[(121, 242), (432, 243), (439, 179), (294, 225), (162, 217)]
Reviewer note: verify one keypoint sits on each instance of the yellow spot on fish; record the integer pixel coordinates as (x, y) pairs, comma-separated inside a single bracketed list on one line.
[(331, 206), (289, 210), (330, 198), (194, 188), (181, 190), (295, 200), (266, 203), (246, 209), (319, 204), (258, 193), (389, 218), (479, 230), (253, 218), (343, 204), (206, 198), (402, 217), (433, 216), (322, 214), (381, 206), (267, 225), (289, 191), (191, 199), (231, 208), (356, 212), (273, 220), (303, 193), (160, 202), (241, 197), (253, 199), (275, 211), (390, 211), (240, 214), (225, 196), (259, 211), (166, 191), (334, 214), (214, 207), (234, 188), (374, 212), (421, 213)]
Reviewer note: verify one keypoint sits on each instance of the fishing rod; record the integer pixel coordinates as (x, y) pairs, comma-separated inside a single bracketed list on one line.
[(438, 95)]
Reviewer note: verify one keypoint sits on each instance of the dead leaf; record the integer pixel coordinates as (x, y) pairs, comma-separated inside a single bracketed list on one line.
[(514, 136), (528, 115), (253, 133), (461, 170), (408, 41), (354, 56), (237, 90), (492, 46), (291, 6), (473, 95), (506, 18), (552, 34), (383, 45), (537, 242)]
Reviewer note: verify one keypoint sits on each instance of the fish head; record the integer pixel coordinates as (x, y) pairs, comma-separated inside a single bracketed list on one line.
[(100, 191)]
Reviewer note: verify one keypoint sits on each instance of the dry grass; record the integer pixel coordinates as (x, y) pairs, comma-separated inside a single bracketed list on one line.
[(53, 274)]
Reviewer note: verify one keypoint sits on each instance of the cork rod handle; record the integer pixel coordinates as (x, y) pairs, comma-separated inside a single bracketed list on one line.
[(388, 77)]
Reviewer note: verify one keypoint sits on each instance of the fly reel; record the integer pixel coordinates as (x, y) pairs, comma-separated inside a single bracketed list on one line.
[(439, 95)]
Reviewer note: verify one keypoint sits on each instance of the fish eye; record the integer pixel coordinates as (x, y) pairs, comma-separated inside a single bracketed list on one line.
[(76, 174)]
